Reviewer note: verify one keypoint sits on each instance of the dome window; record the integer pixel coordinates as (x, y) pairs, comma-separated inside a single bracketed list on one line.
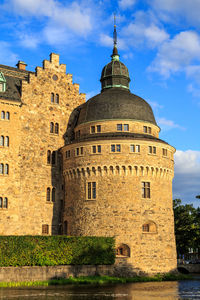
[(2, 83)]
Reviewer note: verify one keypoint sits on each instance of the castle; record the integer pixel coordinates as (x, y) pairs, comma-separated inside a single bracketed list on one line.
[(85, 168)]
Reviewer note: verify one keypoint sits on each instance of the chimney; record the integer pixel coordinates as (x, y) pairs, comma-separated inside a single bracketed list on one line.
[(21, 65)]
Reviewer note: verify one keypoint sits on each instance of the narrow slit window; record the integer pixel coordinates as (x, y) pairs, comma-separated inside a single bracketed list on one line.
[(7, 141), (57, 99), (6, 169), (52, 97), (53, 158), (7, 115), (53, 194), (51, 127), (5, 202), (2, 140), (48, 157), (56, 128), (1, 202), (48, 194), (1, 168), (3, 115)]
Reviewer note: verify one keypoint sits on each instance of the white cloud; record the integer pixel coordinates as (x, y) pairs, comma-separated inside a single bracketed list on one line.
[(107, 41), (155, 104), (188, 10), (60, 21), (28, 40), (145, 31), (7, 56), (168, 124), (177, 54), (187, 175), (124, 4)]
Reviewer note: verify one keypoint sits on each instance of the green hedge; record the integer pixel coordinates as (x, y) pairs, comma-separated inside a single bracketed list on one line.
[(55, 250)]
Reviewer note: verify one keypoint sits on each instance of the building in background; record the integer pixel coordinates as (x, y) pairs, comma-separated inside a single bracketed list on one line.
[(34, 111)]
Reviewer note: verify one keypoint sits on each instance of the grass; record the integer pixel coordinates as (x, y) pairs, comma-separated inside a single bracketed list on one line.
[(96, 280)]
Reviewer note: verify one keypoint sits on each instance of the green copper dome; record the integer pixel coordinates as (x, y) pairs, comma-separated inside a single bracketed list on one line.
[(115, 73)]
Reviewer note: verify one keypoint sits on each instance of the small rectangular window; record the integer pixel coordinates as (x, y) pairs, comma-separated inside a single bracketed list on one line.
[(112, 148), (45, 229), (99, 148), (81, 150), (98, 128), (137, 148), (132, 148), (164, 152), (154, 150), (118, 148), (119, 127), (126, 127), (150, 149), (146, 189), (149, 129), (145, 228), (77, 151), (94, 149), (145, 129), (92, 129), (91, 190)]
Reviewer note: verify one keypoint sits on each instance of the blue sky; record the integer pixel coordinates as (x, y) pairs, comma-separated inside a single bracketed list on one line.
[(158, 40)]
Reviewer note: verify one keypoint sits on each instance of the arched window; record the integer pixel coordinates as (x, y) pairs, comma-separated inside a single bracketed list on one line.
[(123, 250), (7, 115), (52, 97), (53, 194), (56, 128), (1, 202), (1, 168), (53, 158), (48, 194), (65, 229), (7, 141), (6, 169), (51, 127), (57, 99), (150, 227), (3, 115), (48, 157), (2, 140), (5, 202)]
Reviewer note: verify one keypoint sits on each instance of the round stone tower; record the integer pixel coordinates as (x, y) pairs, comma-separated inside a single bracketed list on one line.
[(118, 175)]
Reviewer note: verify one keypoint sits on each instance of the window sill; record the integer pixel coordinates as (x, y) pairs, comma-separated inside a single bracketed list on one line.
[(149, 232), (90, 200), (153, 154), (135, 153), (121, 256)]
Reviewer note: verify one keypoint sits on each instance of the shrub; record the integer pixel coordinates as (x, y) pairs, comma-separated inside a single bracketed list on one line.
[(55, 250)]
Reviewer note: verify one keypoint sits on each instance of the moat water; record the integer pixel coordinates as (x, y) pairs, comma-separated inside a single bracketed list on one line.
[(189, 289)]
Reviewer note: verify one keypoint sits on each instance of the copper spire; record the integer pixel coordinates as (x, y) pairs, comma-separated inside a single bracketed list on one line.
[(115, 55)]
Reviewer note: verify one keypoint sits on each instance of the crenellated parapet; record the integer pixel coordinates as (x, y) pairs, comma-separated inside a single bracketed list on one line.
[(119, 170)]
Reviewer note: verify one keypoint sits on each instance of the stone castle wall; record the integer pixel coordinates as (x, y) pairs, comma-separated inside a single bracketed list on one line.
[(30, 138), (119, 208)]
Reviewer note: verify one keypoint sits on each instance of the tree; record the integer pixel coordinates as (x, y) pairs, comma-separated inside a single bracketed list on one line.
[(186, 226), (198, 196)]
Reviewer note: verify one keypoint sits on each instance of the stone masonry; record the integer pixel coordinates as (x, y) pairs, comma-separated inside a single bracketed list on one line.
[(28, 129)]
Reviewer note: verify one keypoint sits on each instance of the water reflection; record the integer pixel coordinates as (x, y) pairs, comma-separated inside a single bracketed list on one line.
[(189, 289)]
